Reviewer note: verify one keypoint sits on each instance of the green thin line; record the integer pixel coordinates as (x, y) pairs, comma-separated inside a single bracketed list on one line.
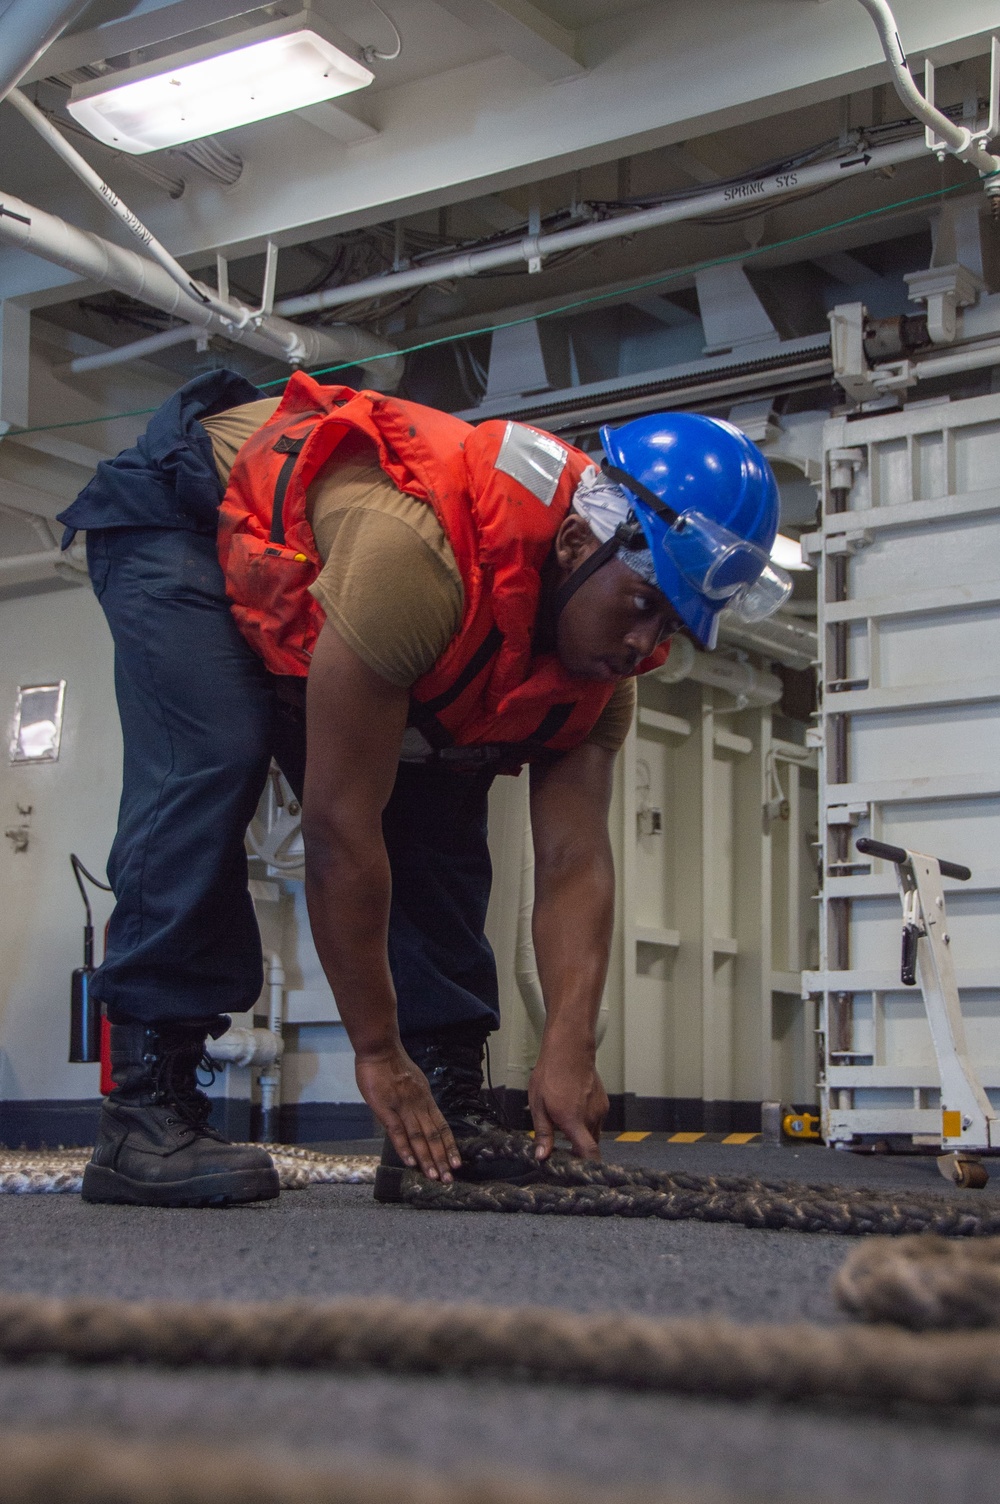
[(604, 297)]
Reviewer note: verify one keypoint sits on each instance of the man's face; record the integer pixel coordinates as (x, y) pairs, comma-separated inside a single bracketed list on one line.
[(614, 620)]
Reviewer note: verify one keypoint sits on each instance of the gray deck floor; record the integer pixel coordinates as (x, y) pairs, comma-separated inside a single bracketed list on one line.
[(330, 1241)]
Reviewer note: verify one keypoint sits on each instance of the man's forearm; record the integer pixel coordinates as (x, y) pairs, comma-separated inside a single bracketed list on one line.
[(348, 892), (572, 927)]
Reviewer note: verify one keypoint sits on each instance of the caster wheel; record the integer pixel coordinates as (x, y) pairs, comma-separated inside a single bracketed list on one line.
[(970, 1174)]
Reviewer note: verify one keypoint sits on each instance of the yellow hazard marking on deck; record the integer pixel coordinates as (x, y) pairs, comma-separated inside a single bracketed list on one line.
[(631, 1138), (739, 1138), (685, 1138)]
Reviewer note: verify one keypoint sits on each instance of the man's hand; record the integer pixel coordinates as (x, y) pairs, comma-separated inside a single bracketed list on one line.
[(398, 1095), (566, 1092)]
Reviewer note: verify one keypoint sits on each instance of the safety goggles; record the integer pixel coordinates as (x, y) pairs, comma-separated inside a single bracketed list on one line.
[(717, 563), (725, 568)]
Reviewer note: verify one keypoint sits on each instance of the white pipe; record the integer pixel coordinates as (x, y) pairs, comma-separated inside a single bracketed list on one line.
[(751, 687), (236, 313), (242, 1046), (134, 351), (525, 965), (22, 569), (93, 257), (776, 638), (270, 1078), (958, 138), (533, 247), (972, 359), (27, 28)]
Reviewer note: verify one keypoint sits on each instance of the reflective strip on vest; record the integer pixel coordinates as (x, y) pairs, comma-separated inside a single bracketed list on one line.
[(534, 460)]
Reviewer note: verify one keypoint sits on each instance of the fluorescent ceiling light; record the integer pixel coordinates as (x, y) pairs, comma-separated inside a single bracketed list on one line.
[(269, 70), (788, 553)]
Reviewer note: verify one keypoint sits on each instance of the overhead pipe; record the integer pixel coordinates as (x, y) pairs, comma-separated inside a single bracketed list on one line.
[(91, 256), (122, 354), (751, 688), (27, 28), (537, 247), (776, 638), (975, 358), (958, 139), (237, 313)]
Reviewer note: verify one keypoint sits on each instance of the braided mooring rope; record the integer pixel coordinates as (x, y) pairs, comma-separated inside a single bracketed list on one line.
[(28, 1172), (923, 1282), (615, 1349), (570, 1187), (67, 1467)]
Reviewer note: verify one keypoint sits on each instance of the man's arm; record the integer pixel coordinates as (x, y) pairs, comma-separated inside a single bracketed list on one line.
[(571, 927), (355, 724)]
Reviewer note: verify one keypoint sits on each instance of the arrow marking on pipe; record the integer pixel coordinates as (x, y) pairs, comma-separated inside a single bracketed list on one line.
[(856, 161), (9, 213)]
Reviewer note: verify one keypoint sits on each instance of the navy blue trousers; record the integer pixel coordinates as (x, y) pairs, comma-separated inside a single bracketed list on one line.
[(201, 719)]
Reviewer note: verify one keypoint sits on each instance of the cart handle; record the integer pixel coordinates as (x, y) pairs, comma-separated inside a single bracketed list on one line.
[(898, 855)]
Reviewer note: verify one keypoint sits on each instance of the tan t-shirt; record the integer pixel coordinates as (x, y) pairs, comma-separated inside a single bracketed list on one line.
[(389, 582)]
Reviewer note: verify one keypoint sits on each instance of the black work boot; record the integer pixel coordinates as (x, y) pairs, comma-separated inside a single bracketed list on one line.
[(452, 1060), (154, 1145)]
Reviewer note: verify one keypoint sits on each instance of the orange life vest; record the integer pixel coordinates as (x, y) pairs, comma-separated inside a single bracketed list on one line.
[(500, 491)]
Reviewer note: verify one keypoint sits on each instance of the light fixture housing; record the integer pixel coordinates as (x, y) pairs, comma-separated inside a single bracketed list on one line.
[(268, 70), (787, 552)]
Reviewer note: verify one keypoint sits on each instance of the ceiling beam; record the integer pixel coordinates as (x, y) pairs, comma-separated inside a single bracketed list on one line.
[(82, 48), (339, 123), (845, 268), (521, 31)]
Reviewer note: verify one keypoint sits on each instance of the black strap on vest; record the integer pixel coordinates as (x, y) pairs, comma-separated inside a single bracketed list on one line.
[(487, 649), (489, 757), (291, 449)]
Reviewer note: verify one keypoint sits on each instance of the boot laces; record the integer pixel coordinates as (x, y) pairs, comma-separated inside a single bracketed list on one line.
[(454, 1073), (176, 1083)]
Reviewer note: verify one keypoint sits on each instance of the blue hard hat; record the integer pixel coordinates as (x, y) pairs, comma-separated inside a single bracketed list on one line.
[(707, 502)]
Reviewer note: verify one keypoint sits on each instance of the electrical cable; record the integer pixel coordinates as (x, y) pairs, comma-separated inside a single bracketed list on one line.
[(372, 54), (79, 868), (618, 294)]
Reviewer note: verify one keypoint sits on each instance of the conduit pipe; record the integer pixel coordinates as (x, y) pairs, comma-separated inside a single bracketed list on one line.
[(958, 139), (100, 260), (241, 1046), (23, 569), (236, 313), (752, 688), (536, 247), (525, 965), (776, 638), (27, 28), (972, 359), (122, 354), (43, 564), (270, 1077)]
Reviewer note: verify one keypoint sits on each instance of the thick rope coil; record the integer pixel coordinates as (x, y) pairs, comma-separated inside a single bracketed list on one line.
[(66, 1467), (50, 1172), (923, 1282), (570, 1187), (876, 1366)]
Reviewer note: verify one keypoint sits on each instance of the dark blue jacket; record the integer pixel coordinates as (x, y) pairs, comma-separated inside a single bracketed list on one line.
[(168, 479)]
